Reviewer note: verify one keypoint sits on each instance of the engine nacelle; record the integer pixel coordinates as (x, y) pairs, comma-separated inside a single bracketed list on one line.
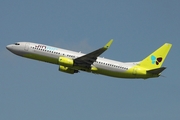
[(64, 61), (67, 70)]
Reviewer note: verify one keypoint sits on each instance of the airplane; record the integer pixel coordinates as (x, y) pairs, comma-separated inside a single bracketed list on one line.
[(72, 62)]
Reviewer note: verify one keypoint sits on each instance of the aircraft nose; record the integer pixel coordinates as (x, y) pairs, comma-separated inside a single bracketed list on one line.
[(9, 47)]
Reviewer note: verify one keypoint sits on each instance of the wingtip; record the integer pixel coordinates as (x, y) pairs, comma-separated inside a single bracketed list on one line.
[(168, 44), (108, 44)]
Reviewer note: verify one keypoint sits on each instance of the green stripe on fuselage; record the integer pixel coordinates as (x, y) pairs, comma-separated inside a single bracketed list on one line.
[(42, 58), (125, 74)]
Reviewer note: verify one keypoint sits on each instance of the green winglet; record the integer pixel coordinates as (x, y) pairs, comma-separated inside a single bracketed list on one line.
[(108, 44)]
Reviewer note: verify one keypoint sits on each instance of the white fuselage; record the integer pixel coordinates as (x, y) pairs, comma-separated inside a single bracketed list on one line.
[(51, 54)]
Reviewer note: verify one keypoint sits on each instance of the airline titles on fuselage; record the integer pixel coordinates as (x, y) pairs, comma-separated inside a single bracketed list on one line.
[(45, 47), (53, 49)]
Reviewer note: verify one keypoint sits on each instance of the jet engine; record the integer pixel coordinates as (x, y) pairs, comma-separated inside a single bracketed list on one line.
[(67, 70), (64, 61)]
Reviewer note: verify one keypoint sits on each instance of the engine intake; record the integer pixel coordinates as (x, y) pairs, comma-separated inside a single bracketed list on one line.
[(64, 61)]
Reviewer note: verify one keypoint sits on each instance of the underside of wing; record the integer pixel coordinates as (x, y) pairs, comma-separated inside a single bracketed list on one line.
[(88, 59)]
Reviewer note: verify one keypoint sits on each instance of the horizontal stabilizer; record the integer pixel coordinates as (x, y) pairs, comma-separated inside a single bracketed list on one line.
[(156, 71)]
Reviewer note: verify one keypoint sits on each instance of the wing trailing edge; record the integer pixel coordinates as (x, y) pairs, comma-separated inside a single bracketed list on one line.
[(88, 59)]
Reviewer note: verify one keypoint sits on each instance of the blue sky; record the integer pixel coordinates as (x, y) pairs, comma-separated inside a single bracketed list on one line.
[(35, 90)]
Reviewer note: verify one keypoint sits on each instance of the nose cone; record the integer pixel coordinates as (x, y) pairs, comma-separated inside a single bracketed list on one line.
[(16, 49), (8, 47)]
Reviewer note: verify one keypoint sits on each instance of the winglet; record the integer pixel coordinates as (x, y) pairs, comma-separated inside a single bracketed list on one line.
[(108, 44)]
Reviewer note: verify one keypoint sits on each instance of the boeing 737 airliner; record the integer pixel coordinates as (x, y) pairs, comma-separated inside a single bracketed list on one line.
[(73, 62)]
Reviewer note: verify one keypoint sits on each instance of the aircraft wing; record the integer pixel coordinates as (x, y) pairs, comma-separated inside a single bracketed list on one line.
[(88, 59)]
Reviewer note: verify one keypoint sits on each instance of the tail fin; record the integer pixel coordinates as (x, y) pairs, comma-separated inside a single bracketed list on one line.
[(156, 59)]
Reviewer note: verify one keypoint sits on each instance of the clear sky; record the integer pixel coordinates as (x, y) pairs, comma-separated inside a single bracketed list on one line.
[(33, 90)]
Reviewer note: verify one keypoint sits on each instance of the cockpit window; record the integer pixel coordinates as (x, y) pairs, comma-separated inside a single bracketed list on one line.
[(17, 44)]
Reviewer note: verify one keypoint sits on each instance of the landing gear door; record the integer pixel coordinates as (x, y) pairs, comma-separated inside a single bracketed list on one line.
[(26, 48)]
